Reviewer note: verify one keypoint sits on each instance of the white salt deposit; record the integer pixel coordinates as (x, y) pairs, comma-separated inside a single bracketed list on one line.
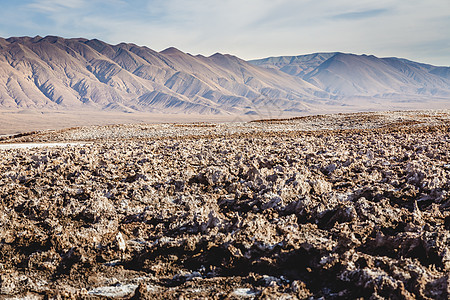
[(36, 145)]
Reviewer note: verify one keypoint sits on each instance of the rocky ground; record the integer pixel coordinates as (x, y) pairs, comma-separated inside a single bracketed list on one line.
[(336, 206)]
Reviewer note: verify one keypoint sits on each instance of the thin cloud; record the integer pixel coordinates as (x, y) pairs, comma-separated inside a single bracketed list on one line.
[(52, 6), (249, 29), (361, 14)]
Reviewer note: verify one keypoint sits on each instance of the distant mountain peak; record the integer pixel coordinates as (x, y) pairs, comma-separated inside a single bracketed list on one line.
[(352, 75), (171, 51), (56, 73)]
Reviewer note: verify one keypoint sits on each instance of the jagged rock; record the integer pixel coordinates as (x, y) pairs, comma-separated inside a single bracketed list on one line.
[(114, 292), (254, 210)]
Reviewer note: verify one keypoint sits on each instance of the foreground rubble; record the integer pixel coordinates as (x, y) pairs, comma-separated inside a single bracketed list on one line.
[(268, 210)]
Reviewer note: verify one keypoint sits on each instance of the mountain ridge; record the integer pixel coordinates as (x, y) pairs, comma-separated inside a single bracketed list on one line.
[(347, 74), (75, 73), (56, 73)]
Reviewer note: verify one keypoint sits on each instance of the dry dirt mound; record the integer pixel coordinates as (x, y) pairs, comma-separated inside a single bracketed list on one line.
[(248, 214)]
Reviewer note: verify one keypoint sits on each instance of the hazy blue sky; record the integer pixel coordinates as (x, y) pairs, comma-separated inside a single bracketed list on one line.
[(413, 29)]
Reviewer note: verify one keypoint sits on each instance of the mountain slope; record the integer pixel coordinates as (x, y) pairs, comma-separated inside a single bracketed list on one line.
[(72, 74), (294, 65), (53, 72), (349, 75)]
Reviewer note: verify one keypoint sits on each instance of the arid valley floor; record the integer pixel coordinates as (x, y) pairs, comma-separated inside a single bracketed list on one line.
[(335, 206)]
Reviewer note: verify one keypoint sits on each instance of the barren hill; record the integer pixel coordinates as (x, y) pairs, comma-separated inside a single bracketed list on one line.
[(53, 72), (350, 75)]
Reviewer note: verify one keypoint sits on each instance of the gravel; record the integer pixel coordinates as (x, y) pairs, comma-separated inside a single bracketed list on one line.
[(336, 206)]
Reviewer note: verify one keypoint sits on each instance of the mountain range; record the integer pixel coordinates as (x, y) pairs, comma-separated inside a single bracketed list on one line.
[(348, 75), (74, 74)]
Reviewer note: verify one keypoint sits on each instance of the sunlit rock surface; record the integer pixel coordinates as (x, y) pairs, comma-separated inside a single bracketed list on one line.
[(336, 206)]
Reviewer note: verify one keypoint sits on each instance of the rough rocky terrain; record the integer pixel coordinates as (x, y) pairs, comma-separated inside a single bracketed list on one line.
[(333, 207)]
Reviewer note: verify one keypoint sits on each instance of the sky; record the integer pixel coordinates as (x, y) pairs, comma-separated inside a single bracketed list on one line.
[(414, 29)]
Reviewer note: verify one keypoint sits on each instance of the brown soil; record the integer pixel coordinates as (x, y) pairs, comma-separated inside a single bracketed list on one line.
[(190, 213)]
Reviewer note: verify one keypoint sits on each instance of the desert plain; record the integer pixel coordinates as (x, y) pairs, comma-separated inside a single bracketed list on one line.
[(338, 206)]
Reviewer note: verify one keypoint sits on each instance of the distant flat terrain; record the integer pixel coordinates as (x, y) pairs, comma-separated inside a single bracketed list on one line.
[(13, 122), (166, 128), (20, 121)]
